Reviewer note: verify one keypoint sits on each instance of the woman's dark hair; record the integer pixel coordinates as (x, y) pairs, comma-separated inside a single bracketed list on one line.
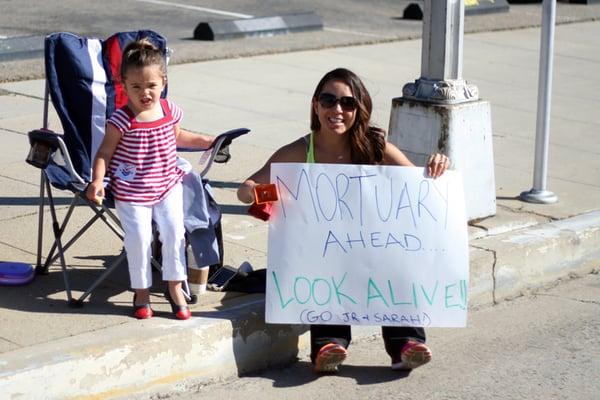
[(367, 143), (141, 53)]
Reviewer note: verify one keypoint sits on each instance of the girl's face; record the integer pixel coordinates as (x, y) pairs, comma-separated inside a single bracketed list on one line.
[(335, 107), (143, 87)]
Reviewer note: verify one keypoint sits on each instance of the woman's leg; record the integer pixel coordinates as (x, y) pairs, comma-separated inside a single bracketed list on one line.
[(328, 346), (395, 337), (320, 335), (406, 347)]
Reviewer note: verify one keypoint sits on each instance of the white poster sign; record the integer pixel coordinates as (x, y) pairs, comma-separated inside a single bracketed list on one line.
[(367, 245)]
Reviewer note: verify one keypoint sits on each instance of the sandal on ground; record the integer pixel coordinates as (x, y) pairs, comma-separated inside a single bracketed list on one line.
[(413, 355), (330, 357)]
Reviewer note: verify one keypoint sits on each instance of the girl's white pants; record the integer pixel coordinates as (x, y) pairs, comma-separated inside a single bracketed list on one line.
[(136, 221)]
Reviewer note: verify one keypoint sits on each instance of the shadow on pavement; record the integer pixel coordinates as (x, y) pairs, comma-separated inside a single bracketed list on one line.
[(224, 184), (233, 209), (33, 201), (508, 198), (251, 336), (302, 372), (46, 293)]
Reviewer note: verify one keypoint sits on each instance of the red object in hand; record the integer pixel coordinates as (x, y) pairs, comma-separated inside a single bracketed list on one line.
[(265, 193), (261, 211)]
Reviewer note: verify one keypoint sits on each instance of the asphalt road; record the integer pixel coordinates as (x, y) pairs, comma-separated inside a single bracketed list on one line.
[(346, 22), (545, 345)]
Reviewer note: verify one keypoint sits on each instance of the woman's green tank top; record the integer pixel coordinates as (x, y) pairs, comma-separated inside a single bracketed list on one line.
[(310, 151)]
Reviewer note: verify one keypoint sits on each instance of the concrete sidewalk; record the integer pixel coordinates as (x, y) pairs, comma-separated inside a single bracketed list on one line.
[(48, 350)]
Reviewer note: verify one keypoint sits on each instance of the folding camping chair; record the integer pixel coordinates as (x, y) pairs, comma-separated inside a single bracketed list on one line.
[(81, 82)]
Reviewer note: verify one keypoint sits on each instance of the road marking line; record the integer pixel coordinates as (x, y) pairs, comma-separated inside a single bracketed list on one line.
[(204, 9), (336, 30)]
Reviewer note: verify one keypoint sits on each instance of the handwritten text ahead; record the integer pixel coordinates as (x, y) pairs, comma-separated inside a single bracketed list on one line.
[(366, 245)]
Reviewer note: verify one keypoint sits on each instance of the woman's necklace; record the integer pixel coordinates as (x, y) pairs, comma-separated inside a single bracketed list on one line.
[(339, 157), (333, 155)]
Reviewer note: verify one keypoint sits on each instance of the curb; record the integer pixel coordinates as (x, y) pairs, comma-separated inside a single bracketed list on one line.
[(512, 263), (116, 362), (21, 47)]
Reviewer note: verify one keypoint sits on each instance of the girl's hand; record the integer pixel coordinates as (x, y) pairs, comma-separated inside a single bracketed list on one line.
[(437, 165), (95, 192)]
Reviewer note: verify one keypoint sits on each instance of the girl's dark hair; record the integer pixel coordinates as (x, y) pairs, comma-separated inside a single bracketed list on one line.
[(141, 53), (367, 143)]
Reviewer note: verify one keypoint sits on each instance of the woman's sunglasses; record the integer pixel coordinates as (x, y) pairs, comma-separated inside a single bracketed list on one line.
[(328, 100)]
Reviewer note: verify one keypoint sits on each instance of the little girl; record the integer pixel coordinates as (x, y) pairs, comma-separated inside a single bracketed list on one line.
[(139, 155)]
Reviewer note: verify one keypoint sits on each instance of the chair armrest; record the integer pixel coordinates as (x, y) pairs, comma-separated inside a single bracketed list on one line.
[(222, 140), (45, 146)]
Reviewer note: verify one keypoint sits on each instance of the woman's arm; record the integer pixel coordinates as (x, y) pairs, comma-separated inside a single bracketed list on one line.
[(394, 156), (293, 152), (436, 165)]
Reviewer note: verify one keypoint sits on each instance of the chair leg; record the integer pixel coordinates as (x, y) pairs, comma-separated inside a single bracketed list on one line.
[(39, 269), (101, 278), (57, 250), (57, 241), (51, 257), (219, 233), (189, 259)]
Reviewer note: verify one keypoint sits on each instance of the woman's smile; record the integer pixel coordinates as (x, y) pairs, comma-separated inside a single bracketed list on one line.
[(335, 119)]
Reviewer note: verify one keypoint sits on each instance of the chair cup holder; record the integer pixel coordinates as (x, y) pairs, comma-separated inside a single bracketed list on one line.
[(43, 145), (39, 154)]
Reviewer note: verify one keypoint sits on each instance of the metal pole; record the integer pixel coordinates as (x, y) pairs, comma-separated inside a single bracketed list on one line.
[(539, 194), (46, 101)]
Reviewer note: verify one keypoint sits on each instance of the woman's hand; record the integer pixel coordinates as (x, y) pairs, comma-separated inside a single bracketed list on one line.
[(437, 165), (245, 192)]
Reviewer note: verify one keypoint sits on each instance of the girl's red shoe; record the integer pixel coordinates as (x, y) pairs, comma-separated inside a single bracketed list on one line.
[(142, 312), (180, 312)]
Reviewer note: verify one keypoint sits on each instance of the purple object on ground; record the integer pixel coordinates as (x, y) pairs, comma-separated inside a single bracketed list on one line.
[(16, 273)]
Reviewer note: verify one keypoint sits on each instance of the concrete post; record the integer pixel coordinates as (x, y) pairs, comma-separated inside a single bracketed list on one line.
[(441, 56), (441, 112)]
